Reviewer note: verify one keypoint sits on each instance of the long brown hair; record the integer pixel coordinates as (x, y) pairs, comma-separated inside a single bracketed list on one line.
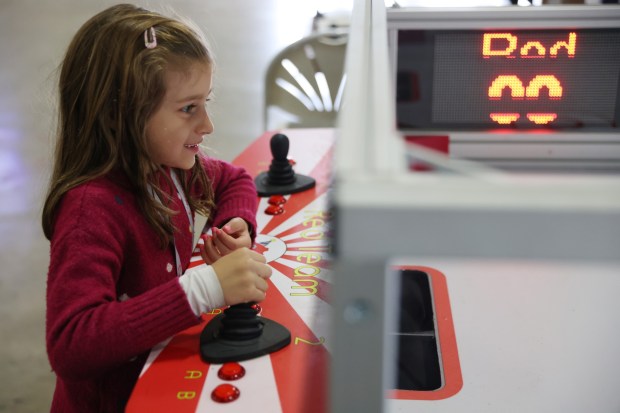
[(110, 84)]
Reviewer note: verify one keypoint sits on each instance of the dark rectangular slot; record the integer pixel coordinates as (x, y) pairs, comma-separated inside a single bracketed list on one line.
[(418, 356)]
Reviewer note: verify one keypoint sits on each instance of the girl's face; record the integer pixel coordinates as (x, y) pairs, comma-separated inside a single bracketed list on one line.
[(177, 127)]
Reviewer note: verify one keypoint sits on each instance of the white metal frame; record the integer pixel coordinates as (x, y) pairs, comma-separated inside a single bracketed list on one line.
[(461, 211)]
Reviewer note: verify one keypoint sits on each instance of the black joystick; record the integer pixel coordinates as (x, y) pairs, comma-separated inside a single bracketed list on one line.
[(281, 179), (240, 334)]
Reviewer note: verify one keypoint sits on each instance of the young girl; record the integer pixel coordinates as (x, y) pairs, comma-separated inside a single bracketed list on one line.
[(128, 179)]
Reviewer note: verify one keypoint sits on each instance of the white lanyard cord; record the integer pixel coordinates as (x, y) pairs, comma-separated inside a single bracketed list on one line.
[(188, 211)]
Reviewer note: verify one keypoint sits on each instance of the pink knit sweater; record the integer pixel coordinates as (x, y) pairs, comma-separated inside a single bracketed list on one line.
[(113, 293)]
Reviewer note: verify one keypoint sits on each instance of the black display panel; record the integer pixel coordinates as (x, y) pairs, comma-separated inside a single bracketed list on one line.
[(508, 79)]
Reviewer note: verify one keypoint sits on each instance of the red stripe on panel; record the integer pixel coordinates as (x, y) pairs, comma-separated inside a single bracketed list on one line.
[(301, 369)]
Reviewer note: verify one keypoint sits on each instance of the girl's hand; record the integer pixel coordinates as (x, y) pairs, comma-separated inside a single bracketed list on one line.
[(234, 235), (243, 276)]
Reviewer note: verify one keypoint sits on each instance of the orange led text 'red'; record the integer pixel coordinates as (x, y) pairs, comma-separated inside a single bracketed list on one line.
[(507, 45)]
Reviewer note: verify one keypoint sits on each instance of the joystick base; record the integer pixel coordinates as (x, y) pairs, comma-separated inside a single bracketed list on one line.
[(264, 188), (214, 348)]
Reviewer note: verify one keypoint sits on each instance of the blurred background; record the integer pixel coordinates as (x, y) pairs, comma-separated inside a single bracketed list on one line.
[(244, 35)]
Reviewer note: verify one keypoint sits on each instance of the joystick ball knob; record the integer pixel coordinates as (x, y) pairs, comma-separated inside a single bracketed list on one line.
[(279, 145), (280, 171), (281, 179)]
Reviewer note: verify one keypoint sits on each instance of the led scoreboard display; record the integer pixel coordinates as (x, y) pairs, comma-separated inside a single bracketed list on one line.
[(516, 78)]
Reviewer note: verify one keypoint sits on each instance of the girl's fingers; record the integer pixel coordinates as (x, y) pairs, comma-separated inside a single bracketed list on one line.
[(211, 252), (224, 242), (206, 256), (235, 226), (203, 254), (232, 241), (262, 270), (261, 284), (258, 296), (257, 256)]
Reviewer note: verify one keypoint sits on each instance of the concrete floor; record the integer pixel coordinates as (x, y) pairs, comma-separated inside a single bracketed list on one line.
[(245, 35)]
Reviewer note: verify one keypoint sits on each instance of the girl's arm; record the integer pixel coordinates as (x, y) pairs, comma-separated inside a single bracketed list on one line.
[(91, 327), (112, 292), (235, 196)]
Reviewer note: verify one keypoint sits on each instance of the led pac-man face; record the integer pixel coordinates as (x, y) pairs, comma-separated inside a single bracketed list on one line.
[(508, 79), (504, 45)]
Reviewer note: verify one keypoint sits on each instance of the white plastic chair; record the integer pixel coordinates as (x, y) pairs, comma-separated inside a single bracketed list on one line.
[(304, 83)]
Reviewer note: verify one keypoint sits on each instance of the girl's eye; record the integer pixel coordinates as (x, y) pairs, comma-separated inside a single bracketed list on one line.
[(188, 108)]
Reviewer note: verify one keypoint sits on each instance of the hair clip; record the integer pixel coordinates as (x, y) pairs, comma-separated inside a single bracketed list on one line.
[(150, 39)]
